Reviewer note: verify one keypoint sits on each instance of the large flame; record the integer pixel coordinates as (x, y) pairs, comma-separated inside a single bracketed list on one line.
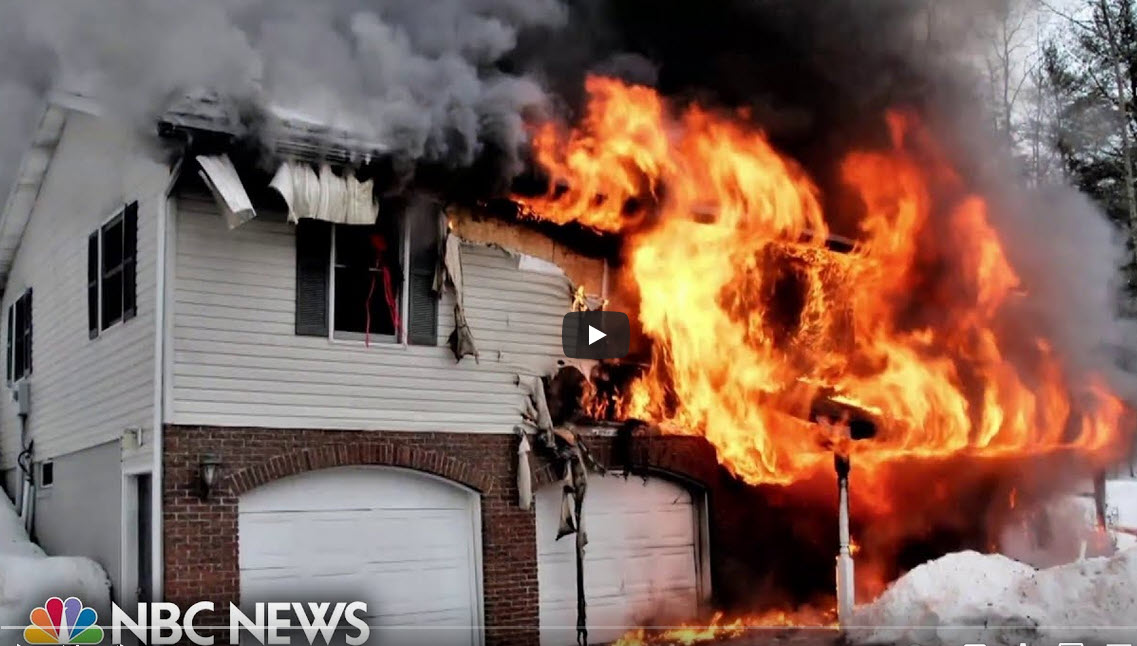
[(753, 318), (721, 628)]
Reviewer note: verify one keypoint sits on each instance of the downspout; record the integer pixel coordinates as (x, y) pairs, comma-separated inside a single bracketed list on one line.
[(157, 573), (24, 462)]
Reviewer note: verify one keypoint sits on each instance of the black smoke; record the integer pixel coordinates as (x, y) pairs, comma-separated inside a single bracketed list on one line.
[(451, 83)]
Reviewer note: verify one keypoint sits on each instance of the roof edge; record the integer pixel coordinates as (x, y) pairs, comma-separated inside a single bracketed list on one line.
[(25, 189)]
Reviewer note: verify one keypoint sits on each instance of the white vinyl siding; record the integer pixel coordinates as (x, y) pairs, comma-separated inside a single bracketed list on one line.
[(85, 392), (237, 360)]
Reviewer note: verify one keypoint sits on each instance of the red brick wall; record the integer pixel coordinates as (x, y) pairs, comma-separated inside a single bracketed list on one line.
[(201, 537)]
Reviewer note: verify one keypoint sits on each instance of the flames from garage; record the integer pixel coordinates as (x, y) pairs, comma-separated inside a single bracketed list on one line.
[(907, 342)]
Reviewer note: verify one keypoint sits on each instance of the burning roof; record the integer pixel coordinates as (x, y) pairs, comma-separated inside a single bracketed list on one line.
[(286, 133)]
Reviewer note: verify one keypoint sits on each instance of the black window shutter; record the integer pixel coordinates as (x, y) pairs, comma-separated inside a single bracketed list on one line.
[(18, 349), (422, 301), (313, 256), (92, 286), (11, 336), (130, 261), (28, 333)]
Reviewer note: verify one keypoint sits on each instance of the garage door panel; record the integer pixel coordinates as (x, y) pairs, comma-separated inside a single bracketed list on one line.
[(345, 572), (393, 598), (635, 494), (613, 614), (354, 488), (656, 567), (356, 533), (657, 526), (640, 563), (392, 537), (639, 575)]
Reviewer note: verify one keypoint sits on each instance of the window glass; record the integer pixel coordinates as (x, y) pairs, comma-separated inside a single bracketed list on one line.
[(368, 279), (19, 369), (106, 292), (19, 350), (112, 246)]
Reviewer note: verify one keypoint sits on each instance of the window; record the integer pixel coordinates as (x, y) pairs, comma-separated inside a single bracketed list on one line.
[(373, 283), (367, 281), (46, 474), (112, 258), (19, 346)]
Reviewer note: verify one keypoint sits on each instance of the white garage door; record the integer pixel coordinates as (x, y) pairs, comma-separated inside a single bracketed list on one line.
[(640, 565), (404, 542)]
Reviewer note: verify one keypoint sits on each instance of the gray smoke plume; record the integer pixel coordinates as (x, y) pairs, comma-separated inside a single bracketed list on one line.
[(418, 77)]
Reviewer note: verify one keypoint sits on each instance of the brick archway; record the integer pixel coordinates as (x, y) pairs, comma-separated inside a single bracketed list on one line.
[(374, 453)]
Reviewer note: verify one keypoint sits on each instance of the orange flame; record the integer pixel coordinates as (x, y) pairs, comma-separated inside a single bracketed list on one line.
[(752, 318), (721, 628)]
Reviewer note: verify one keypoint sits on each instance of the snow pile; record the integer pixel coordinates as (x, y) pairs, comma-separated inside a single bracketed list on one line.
[(28, 577), (969, 597)]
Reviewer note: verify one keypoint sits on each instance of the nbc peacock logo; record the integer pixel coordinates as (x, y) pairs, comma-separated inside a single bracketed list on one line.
[(63, 622)]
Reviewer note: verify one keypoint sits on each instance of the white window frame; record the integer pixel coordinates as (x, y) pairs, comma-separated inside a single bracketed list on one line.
[(380, 339)]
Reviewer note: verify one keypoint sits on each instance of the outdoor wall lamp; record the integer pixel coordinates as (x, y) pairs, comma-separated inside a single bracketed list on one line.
[(208, 474)]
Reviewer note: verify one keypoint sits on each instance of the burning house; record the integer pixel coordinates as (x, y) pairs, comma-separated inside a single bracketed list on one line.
[(324, 407), (281, 357)]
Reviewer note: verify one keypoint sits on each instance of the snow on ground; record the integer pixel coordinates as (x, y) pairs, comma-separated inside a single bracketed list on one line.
[(968, 597), (28, 577)]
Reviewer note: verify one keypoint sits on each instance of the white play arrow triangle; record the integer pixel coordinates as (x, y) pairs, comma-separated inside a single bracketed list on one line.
[(594, 335)]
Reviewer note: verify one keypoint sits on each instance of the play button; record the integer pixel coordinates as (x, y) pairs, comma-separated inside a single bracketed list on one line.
[(595, 335)]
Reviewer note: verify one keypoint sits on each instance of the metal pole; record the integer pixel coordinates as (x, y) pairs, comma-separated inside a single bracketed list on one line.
[(581, 620), (845, 586)]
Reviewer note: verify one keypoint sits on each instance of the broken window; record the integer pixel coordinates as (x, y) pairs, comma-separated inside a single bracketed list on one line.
[(369, 282), (19, 347), (112, 253)]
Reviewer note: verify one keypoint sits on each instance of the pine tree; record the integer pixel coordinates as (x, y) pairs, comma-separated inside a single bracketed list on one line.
[(1092, 76)]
